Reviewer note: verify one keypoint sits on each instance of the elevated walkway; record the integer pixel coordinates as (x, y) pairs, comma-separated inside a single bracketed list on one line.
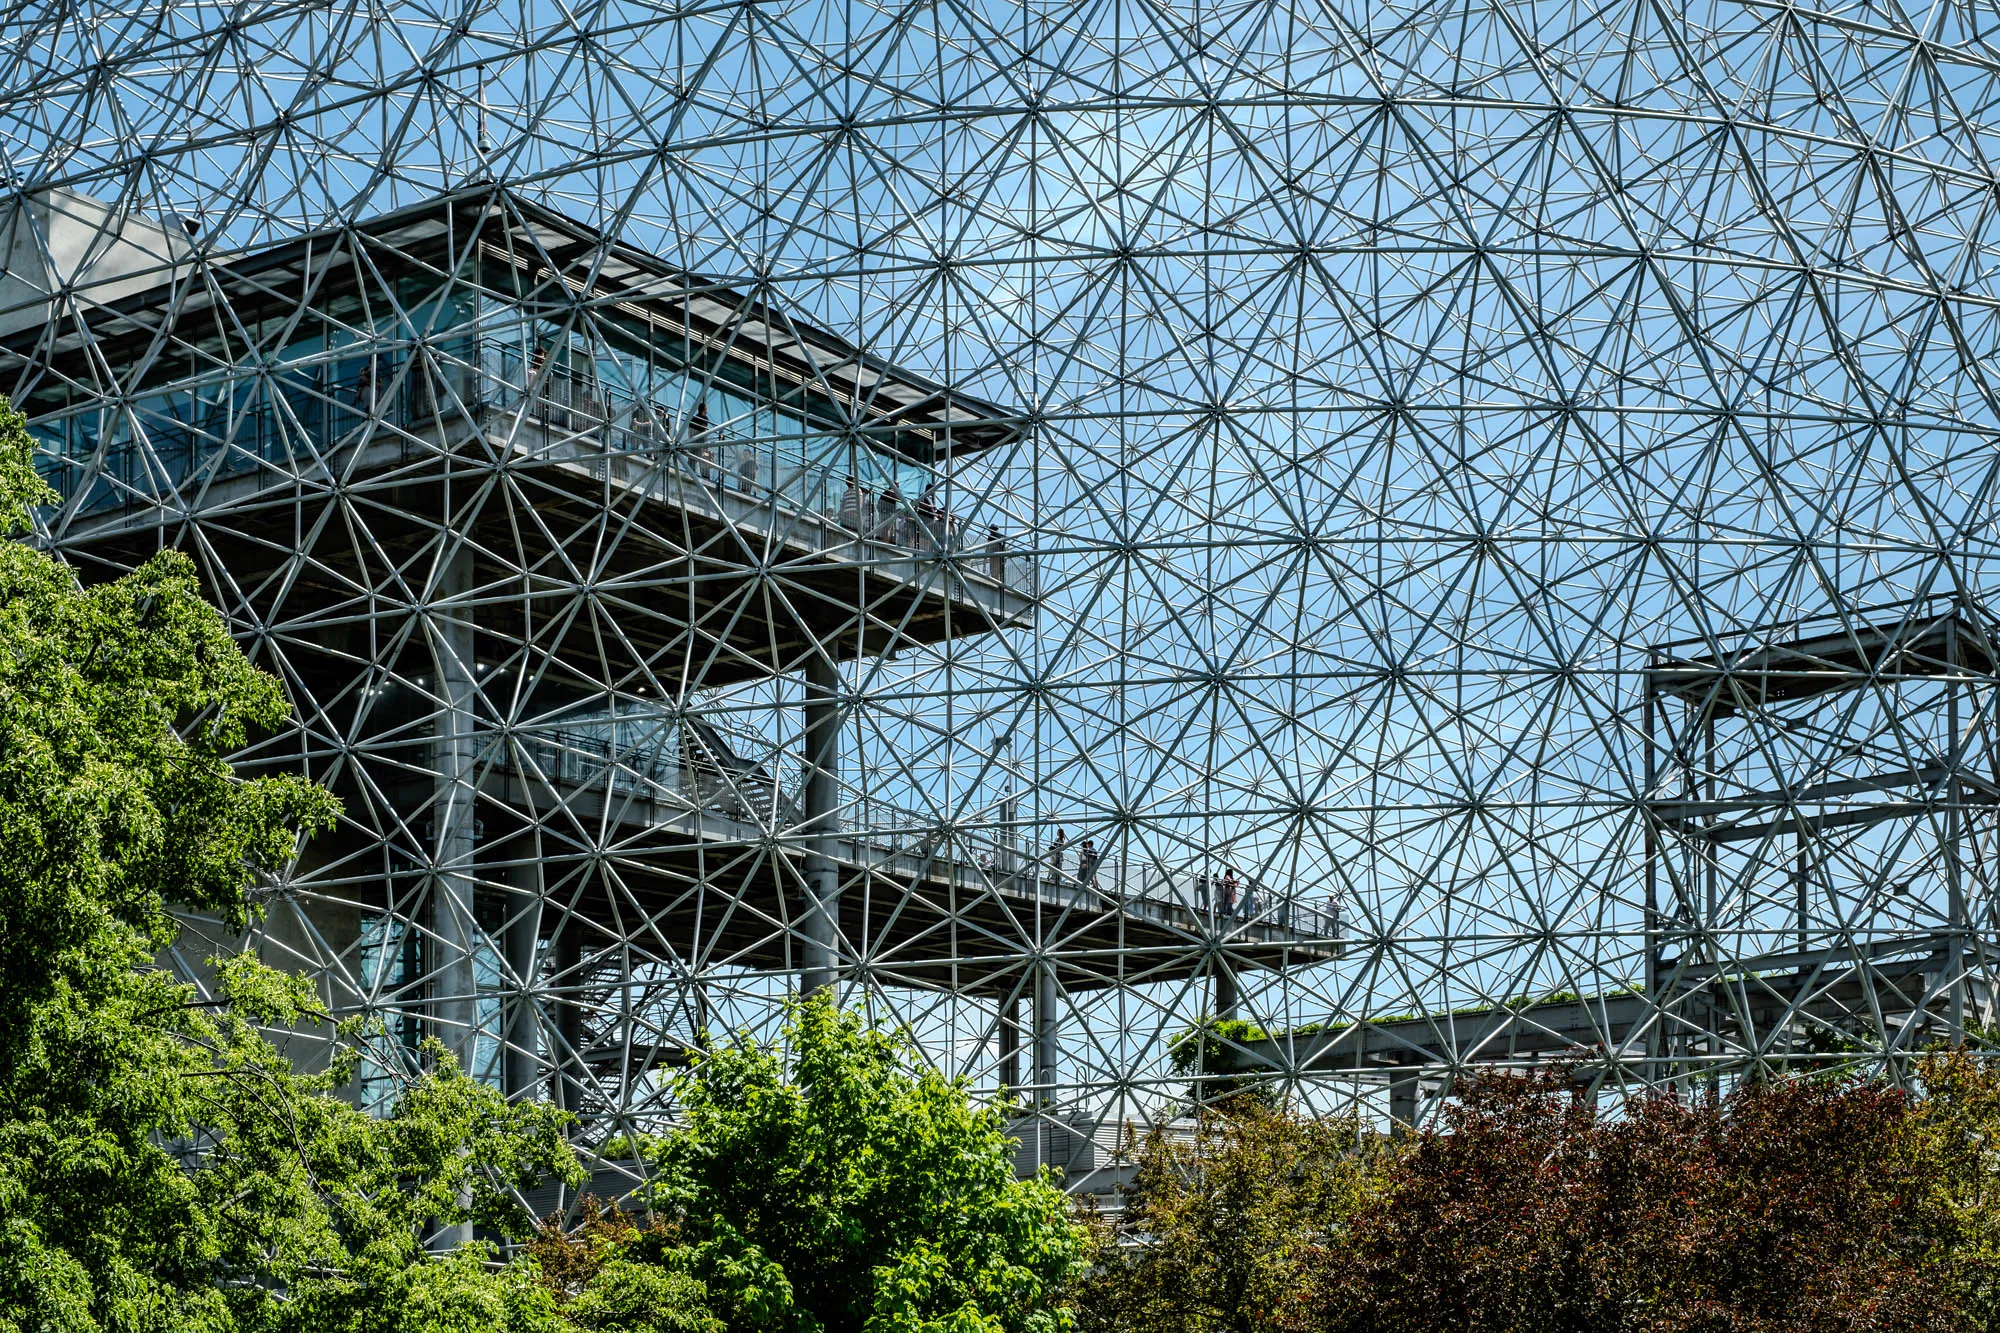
[(707, 852)]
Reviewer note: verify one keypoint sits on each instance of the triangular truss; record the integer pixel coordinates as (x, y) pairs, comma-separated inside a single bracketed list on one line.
[(1453, 536)]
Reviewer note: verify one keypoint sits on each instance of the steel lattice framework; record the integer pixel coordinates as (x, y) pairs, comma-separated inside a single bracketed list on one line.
[(1450, 533)]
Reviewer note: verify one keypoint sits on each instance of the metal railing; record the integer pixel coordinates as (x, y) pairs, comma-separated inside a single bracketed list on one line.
[(1070, 877), (708, 774), (767, 471), (194, 437), (1115, 880)]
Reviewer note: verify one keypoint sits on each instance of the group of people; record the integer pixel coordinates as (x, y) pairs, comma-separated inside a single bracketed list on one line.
[(707, 460), (1227, 895), (925, 525), (1087, 857), (1057, 860)]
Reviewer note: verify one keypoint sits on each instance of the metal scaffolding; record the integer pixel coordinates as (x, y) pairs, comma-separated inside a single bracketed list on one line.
[(1151, 546)]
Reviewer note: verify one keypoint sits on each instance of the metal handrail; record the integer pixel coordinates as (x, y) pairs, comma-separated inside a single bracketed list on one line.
[(1065, 880), (881, 832), (728, 461), (314, 406)]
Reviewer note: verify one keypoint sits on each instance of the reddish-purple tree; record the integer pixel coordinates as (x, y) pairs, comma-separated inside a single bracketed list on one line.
[(1787, 1208)]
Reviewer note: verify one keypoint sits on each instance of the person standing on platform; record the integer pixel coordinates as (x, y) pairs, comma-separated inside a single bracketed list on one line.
[(850, 505)]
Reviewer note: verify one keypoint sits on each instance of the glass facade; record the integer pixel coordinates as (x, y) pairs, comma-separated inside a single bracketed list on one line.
[(450, 361)]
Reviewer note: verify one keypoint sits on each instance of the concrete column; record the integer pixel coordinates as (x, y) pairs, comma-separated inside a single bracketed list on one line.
[(1046, 1017), (821, 915), (454, 997), (523, 1016), (1228, 999), (1010, 835), (567, 951), (1403, 1093), (697, 999), (454, 746)]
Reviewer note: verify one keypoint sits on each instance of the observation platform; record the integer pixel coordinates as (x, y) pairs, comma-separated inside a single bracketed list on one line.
[(1825, 782), (726, 545), (1807, 658), (710, 551), (319, 299), (1725, 796), (706, 852)]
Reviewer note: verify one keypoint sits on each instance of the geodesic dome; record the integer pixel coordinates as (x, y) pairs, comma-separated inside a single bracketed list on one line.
[(1482, 516)]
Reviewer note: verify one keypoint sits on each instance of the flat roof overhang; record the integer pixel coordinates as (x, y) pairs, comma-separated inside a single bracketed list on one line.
[(230, 306)]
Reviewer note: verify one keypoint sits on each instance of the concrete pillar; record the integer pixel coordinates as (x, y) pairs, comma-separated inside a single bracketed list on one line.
[(821, 915), (454, 747), (1403, 1093), (1010, 835), (697, 1003), (521, 1065), (1228, 999), (454, 991), (567, 951), (1046, 1047)]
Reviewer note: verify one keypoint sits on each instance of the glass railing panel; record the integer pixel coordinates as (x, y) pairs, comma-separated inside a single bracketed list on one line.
[(728, 461), (182, 438)]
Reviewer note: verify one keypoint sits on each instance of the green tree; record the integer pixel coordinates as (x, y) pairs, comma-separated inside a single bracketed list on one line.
[(161, 1166), (614, 1276), (1226, 1228), (1949, 1152), (833, 1182)]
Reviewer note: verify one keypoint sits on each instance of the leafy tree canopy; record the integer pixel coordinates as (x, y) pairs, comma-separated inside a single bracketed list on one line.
[(1784, 1206), (161, 1166), (832, 1183), (1228, 1224), (1821, 1205), (1948, 1155)]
